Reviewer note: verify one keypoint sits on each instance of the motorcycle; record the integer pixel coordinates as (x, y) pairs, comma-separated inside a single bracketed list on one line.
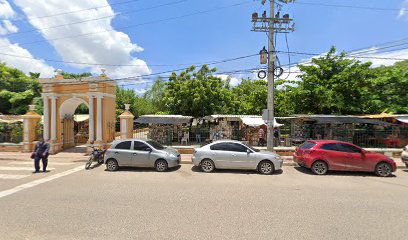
[(96, 155)]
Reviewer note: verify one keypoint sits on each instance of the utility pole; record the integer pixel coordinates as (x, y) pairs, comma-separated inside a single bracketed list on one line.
[(273, 24)]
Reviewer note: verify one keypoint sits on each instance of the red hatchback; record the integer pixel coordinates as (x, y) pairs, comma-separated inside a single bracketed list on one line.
[(324, 155)]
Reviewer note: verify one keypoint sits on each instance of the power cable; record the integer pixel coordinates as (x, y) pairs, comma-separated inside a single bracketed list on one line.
[(130, 65), (135, 25), (350, 6), (75, 11), (95, 19)]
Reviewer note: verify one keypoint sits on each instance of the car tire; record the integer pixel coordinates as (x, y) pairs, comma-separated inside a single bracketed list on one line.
[(266, 167), (207, 165), (112, 165), (320, 168), (383, 169), (161, 165)]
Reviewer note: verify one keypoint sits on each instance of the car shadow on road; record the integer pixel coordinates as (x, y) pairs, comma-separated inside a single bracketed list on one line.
[(135, 169), (339, 173), (95, 166), (247, 172)]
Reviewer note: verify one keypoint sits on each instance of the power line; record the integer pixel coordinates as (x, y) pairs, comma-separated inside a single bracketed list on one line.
[(132, 65), (135, 25), (96, 19), (350, 6), (75, 11)]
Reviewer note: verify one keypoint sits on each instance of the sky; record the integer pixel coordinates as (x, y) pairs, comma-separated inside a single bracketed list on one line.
[(138, 40)]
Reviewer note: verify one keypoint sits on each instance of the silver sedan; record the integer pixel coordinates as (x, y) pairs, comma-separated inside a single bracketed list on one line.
[(228, 154), (140, 153)]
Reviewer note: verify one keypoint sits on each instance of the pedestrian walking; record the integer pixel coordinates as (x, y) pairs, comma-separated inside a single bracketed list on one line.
[(261, 137), (276, 135), (41, 152)]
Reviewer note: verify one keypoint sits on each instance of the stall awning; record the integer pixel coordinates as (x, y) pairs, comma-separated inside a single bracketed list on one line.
[(257, 121), (346, 119), (164, 119), (403, 120), (253, 122), (81, 117)]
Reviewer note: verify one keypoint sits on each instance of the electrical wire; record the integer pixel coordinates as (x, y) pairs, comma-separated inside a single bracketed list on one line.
[(75, 11), (135, 25), (96, 19), (349, 6)]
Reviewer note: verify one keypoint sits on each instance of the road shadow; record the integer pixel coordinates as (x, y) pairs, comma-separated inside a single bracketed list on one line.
[(95, 166), (136, 169), (247, 172), (405, 170), (339, 173)]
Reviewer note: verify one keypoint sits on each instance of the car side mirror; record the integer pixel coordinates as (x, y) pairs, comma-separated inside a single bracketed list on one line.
[(249, 151), (148, 149)]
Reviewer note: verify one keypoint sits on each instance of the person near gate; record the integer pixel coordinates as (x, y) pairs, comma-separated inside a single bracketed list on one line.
[(261, 137), (276, 135), (41, 152)]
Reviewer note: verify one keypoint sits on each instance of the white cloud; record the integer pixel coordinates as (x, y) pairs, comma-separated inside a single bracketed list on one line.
[(404, 9), (7, 27), (6, 11), (24, 64), (233, 81), (386, 59), (111, 47)]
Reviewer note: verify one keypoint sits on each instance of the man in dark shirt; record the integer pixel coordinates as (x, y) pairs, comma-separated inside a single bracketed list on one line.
[(41, 151)]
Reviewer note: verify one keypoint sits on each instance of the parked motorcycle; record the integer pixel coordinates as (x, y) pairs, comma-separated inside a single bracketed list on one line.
[(97, 155)]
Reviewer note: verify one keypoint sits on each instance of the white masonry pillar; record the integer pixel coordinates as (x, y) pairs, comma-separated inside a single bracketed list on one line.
[(99, 125), (46, 126), (53, 118), (91, 119)]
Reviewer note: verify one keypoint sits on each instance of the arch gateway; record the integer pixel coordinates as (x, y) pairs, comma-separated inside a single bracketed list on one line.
[(61, 97)]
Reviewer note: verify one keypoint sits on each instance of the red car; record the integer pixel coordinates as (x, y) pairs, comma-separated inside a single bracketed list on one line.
[(324, 155)]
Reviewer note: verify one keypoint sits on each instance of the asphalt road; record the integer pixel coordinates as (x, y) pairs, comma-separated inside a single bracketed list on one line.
[(187, 204)]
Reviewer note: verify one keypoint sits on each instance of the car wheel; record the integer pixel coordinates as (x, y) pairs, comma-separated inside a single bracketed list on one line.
[(112, 165), (266, 167), (319, 168), (161, 165), (383, 169), (207, 166)]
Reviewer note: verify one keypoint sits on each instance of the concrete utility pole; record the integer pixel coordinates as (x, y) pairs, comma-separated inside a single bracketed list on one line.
[(271, 79), (275, 23)]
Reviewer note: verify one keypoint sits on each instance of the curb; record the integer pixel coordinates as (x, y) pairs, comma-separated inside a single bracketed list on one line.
[(287, 163)]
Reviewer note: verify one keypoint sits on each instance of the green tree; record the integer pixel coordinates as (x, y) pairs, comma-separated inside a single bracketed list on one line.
[(155, 95), (388, 89), (332, 84), (138, 105), (76, 75), (249, 97), (17, 90), (196, 93)]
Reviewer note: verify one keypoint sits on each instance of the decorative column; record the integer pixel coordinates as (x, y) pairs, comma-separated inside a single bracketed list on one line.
[(53, 118), (46, 111), (126, 123), (99, 124), (91, 119), (31, 119)]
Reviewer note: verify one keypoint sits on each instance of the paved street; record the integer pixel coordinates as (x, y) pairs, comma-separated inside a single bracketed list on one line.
[(187, 204)]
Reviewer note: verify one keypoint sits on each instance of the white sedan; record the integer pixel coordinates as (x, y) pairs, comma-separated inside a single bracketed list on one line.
[(228, 154)]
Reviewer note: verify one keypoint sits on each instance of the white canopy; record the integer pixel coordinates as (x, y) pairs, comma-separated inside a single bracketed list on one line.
[(403, 119), (257, 121)]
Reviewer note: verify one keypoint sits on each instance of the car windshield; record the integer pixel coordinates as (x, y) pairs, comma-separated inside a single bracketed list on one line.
[(156, 145), (253, 149)]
